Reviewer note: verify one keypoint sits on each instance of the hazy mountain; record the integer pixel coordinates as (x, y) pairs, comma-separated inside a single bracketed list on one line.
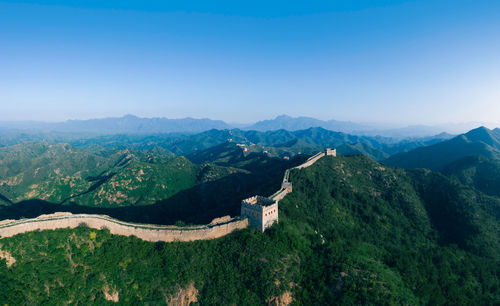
[(366, 129), (481, 141), (128, 124), (301, 123)]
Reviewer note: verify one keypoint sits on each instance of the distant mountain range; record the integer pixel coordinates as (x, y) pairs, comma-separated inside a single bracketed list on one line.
[(280, 143), (130, 124), (300, 123), (472, 159), (481, 141), (288, 123)]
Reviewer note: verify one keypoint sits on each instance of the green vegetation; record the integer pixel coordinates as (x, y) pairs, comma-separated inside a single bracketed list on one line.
[(279, 143), (148, 186), (352, 232), (479, 142), (472, 159), (61, 174), (478, 171)]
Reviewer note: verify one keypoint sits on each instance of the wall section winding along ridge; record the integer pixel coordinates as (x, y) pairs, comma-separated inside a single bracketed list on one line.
[(148, 232)]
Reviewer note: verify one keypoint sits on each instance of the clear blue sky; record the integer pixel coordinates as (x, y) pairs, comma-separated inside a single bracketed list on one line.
[(401, 62)]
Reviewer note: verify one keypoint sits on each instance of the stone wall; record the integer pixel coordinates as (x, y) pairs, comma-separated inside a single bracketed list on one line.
[(280, 194), (146, 232), (310, 161)]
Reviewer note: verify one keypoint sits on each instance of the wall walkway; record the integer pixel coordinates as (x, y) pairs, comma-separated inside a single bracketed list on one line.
[(9, 228), (280, 194)]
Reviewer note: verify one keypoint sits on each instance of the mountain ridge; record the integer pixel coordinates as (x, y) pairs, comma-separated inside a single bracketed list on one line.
[(480, 141), (136, 125)]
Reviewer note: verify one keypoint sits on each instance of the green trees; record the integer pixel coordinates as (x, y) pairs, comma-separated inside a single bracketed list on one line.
[(352, 232)]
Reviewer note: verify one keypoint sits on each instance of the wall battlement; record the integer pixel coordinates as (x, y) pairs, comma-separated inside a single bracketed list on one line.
[(146, 232), (258, 201)]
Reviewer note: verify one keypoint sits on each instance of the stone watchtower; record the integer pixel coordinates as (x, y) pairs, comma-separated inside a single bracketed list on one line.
[(261, 212), (331, 152)]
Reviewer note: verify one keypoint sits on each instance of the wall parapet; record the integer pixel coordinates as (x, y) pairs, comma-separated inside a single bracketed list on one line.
[(148, 232)]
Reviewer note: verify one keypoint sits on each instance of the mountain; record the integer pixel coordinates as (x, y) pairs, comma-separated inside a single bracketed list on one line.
[(481, 141), (131, 124), (413, 131), (252, 158), (396, 220), (128, 124), (352, 232), (147, 185), (285, 122), (62, 174), (280, 143)]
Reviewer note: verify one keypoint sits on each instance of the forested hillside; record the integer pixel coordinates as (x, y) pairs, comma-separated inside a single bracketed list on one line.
[(478, 171), (62, 174), (353, 232), (149, 186), (472, 159), (480, 141)]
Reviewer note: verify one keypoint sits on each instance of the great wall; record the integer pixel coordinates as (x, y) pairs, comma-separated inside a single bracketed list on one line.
[(146, 232), (262, 216)]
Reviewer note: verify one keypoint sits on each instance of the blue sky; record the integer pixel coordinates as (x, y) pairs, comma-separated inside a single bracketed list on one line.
[(402, 62)]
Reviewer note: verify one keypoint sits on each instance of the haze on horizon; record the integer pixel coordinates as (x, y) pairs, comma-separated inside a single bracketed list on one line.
[(399, 62)]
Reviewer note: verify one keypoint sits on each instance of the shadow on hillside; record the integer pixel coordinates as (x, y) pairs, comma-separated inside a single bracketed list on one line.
[(197, 205)]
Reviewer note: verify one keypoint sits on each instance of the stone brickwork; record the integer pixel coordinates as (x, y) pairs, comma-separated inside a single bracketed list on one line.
[(261, 212), (146, 232), (311, 161)]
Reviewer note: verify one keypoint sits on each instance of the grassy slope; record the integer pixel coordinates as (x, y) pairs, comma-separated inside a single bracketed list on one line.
[(352, 232)]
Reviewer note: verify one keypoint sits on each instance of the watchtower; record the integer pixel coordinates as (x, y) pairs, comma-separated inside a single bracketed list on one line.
[(261, 212), (330, 152)]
